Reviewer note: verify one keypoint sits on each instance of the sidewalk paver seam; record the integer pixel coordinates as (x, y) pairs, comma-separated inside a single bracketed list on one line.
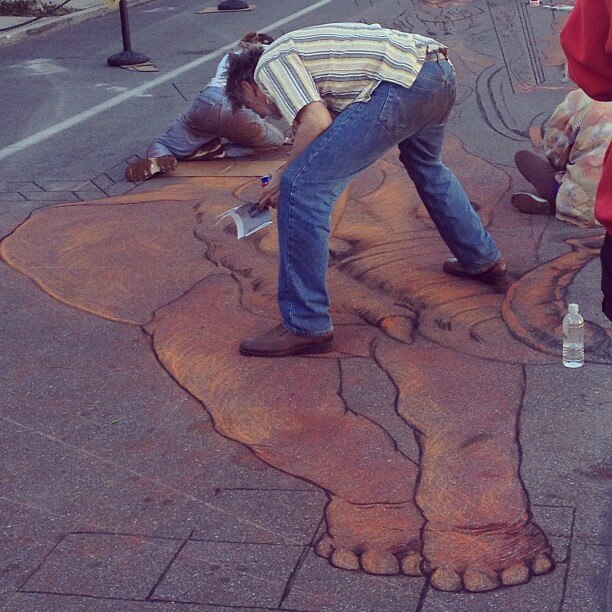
[(568, 562), (167, 568), (160, 601), (168, 487), (42, 562), (300, 561), (207, 570)]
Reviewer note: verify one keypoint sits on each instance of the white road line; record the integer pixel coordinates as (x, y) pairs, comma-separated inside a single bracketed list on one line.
[(62, 126)]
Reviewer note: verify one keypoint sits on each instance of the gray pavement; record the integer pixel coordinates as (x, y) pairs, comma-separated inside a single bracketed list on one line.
[(116, 492)]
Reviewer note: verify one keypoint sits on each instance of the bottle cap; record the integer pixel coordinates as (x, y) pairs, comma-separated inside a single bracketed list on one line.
[(573, 308)]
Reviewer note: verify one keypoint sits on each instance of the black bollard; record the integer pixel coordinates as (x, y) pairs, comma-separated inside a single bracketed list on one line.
[(127, 57), (232, 5)]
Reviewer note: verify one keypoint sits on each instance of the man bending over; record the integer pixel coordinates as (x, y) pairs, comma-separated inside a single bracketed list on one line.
[(352, 91)]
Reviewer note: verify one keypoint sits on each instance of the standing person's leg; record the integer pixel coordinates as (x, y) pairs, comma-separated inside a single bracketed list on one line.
[(606, 276), (447, 203), (542, 175), (310, 185), (477, 256)]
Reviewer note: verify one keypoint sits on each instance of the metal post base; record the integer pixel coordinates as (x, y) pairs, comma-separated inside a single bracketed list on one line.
[(127, 58)]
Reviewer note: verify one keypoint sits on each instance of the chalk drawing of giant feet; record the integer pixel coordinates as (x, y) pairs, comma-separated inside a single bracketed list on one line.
[(157, 260), (292, 415)]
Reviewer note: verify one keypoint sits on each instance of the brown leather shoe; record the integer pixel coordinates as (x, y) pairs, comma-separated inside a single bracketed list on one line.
[(532, 204), (211, 150), (279, 342), (144, 169), (496, 276)]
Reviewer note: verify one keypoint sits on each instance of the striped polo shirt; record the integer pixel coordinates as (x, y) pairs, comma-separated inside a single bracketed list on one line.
[(338, 64)]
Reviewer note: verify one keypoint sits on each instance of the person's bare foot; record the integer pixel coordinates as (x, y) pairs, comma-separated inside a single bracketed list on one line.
[(378, 538), (484, 559), (144, 169)]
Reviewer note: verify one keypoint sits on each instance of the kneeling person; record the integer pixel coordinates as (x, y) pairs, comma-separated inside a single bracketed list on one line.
[(208, 129)]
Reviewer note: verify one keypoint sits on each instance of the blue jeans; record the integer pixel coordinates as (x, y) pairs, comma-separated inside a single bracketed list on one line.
[(210, 116), (412, 118)]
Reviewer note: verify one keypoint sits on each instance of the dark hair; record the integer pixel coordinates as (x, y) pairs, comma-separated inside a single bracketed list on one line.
[(241, 67)]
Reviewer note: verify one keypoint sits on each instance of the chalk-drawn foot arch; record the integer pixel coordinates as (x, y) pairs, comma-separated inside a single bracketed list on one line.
[(381, 538)]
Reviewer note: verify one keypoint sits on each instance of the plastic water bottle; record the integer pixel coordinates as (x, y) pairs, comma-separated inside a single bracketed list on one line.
[(573, 338)]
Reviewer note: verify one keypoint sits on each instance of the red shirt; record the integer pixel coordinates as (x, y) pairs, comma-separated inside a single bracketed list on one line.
[(587, 42)]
